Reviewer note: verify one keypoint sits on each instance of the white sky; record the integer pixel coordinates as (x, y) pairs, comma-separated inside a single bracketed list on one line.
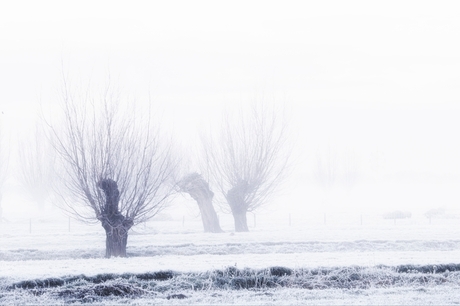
[(373, 77)]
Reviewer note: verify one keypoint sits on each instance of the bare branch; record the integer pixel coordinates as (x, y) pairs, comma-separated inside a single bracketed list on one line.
[(4, 159), (36, 160)]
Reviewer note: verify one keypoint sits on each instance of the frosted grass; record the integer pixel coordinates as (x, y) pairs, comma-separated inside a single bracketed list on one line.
[(46, 248)]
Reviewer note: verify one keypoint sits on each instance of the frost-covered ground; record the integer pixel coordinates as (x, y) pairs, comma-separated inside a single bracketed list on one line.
[(290, 260)]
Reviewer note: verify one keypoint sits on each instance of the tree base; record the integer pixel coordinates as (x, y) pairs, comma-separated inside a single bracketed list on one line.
[(116, 231), (241, 222)]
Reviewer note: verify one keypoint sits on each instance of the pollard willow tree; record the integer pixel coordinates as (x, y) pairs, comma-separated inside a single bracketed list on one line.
[(36, 158), (326, 170), (333, 169), (3, 166), (249, 160), (196, 186), (116, 167)]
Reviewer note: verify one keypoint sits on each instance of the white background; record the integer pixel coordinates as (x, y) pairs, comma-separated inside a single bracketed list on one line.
[(379, 79)]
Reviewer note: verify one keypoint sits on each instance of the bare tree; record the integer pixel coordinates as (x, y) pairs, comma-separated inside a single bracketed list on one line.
[(351, 168), (248, 160), (116, 166), (4, 158), (336, 168), (195, 185), (377, 164), (36, 166), (326, 171)]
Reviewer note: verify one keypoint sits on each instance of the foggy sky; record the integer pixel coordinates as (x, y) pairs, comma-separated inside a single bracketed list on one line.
[(372, 78)]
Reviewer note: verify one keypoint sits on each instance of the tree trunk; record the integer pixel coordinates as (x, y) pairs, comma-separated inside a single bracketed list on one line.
[(208, 215), (235, 198), (115, 224), (199, 190), (241, 222), (116, 231)]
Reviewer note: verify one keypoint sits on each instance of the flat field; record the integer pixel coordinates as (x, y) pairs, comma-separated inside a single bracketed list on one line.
[(283, 260)]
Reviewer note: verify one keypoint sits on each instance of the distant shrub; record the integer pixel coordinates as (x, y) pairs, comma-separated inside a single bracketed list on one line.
[(435, 213), (442, 213), (397, 214)]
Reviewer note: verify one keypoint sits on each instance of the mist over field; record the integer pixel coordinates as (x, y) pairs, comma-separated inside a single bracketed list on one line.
[(319, 140)]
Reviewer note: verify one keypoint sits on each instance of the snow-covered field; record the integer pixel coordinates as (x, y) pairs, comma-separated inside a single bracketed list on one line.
[(332, 259)]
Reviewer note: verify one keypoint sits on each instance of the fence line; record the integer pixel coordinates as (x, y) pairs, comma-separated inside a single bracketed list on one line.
[(260, 221)]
